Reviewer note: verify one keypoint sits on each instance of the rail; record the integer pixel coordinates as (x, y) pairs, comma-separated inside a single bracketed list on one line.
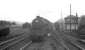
[(11, 43), (28, 44), (9, 40)]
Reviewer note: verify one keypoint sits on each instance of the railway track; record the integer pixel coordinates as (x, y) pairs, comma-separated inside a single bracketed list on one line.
[(79, 45), (35, 46), (73, 41), (7, 43), (23, 45), (10, 38), (20, 45), (28, 44)]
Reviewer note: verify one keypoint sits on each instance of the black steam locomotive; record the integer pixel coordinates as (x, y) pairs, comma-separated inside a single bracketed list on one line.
[(40, 26), (40, 29)]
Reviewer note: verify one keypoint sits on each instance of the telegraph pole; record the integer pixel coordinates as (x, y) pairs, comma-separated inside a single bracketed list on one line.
[(70, 9), (70, 12)]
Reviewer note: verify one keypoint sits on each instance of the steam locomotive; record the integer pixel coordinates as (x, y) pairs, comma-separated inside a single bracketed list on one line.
[(40, 26), (40, 29)]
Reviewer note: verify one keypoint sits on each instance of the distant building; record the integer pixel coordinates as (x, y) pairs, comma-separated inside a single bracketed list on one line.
[(60, 25), (27, 25), (71, 23), (57, 26)]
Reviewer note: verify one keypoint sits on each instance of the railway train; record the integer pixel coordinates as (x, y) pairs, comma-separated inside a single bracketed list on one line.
[(39, 29), (40, 26)]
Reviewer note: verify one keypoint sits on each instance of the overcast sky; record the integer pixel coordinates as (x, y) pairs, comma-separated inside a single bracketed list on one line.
[(27, 10)]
